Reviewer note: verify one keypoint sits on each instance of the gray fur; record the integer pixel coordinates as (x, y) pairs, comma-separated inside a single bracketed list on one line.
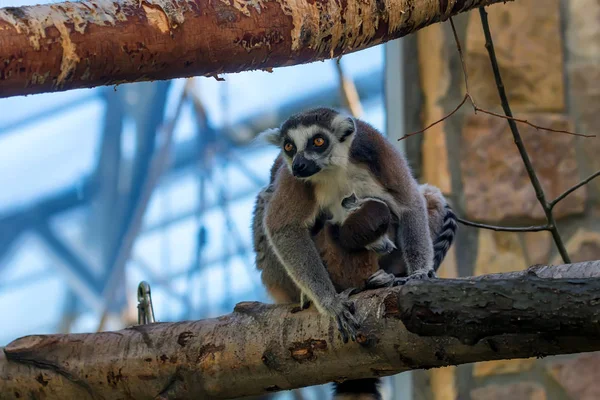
[(355, 159), (294, 246), (360, 162), (273, 274), (296, 251)]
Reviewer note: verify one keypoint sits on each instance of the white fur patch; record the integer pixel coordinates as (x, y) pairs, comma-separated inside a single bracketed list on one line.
[(341, 123), (333, 185), (301, 134)]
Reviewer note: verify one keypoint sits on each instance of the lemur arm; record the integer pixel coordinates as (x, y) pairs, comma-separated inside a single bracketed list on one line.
[(289, 214)]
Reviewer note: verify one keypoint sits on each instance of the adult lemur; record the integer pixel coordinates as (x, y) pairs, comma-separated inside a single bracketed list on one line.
[(336, 174)]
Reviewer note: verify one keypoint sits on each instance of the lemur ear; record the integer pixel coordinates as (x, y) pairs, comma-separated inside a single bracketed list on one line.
[(350, 201), (271, 135), (345, 127)]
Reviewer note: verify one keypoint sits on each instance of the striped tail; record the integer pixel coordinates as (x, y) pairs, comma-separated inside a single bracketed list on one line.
[(359, 389), (444, 239)]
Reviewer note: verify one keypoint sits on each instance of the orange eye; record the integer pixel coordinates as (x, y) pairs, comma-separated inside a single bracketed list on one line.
[(288, 147), (319, 141)]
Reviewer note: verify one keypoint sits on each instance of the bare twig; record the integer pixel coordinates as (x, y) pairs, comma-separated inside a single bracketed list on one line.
[(464, 65), (476, 108), (496, 228), (571, 190), (546, 206), (439, 120), (539, 192), (538, 127)]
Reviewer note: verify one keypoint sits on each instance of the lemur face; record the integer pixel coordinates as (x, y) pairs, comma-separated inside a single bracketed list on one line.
[(314, 141)]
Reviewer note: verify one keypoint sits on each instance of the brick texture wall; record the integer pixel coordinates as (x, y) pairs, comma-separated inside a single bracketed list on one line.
[(549, 54)]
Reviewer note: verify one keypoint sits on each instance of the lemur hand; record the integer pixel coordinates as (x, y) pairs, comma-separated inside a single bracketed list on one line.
[(342, 310)]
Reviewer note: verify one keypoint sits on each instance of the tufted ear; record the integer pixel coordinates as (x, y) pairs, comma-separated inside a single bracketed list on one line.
[(344, 127), (271, 135), (350, 201)]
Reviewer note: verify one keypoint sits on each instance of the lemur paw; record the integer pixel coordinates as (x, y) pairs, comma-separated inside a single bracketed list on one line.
[(342, 310), (380, 279), (382, 246), (417, 275)]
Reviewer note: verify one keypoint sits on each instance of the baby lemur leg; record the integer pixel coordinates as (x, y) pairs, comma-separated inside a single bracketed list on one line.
[(367, 225), (346, 268), (351, 251)]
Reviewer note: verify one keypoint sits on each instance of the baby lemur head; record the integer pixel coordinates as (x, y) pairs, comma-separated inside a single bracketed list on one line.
[(313, 141)]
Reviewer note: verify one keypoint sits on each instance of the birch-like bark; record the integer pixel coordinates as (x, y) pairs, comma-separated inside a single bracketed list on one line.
[(89, 43), (263, 348)]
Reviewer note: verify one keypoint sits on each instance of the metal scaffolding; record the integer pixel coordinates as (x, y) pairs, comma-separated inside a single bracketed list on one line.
[(115, 197)]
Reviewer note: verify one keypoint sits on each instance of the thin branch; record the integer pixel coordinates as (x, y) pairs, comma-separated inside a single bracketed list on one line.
[(526, 122), (439, 120), (496, 228), (571, 190), (462, 62), (539, 192), (476, 108)]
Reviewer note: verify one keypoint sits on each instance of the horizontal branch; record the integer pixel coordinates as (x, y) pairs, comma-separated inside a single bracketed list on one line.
[(262, 348), (84, 44), (535, 228)]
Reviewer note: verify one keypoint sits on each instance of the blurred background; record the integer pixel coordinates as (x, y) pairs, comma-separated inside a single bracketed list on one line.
[(106, 187)]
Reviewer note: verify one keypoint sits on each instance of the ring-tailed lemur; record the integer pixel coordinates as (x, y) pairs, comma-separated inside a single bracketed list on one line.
[(348, 263), (325, 158)]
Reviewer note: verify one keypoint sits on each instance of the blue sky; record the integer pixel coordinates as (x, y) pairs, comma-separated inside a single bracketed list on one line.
[(41, 157)]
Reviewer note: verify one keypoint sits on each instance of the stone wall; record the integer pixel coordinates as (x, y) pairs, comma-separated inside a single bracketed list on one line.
[(549, 54)]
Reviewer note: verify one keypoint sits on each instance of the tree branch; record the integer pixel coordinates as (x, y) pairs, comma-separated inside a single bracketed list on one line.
[(497, 228), (72, 45), (539, 191), (554, 202), (262, 348)]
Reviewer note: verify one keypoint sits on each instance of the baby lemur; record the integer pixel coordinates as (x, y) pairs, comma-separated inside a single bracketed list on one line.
[(340, 196)]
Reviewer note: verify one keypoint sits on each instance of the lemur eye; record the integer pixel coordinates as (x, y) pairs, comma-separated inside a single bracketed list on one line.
[(288, 147), (319, 141)]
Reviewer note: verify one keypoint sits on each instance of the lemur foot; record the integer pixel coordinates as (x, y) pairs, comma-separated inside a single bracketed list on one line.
[(417, 275), (342, 310), (381, 279)]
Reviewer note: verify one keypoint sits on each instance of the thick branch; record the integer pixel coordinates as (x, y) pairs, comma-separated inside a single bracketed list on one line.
[(67, 45), (261, 348)]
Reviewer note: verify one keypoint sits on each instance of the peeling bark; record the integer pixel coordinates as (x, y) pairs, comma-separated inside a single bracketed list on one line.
[(263, 348), (90, 43)]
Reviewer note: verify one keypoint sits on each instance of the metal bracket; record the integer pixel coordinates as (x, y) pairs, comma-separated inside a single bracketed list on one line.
[(145, 308)]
